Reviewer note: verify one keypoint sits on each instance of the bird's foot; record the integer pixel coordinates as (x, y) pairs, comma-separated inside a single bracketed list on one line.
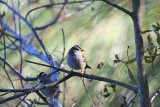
[(82, 72), (71, 72)]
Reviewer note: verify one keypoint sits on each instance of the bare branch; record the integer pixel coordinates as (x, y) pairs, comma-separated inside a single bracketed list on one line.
[(15, 70), (155, 95), (20, 42), (33, 30), (87, 92), (93, 77), (52, 22), (64, 47), (36, 102), (118, 7), (44, 99), (96, 95), (53, 4), (8, 76), (131, 102), (34, 90), (15, 90)]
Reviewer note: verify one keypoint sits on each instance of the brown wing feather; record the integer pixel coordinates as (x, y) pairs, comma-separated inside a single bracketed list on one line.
[(85, 60)]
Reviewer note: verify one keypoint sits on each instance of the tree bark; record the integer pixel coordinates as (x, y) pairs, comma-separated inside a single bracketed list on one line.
[(142, 75)]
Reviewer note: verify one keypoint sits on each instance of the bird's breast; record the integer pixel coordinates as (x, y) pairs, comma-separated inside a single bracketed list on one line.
[(75, 61)]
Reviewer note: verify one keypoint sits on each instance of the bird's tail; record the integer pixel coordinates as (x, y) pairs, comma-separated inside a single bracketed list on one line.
[(87, 66)]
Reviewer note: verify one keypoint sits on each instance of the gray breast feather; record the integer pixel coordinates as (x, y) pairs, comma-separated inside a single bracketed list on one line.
[(75, 61)]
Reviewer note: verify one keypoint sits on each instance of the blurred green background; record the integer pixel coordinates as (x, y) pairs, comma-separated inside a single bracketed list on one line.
[(102, 31)]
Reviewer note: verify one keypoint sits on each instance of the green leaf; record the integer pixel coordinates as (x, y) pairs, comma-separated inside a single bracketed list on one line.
[(146, 50), (156, 31), (116, 56), (146, 31), (131, 77), (155, 53), (117, 61), (149, 39), (148, 60), (158, 25)]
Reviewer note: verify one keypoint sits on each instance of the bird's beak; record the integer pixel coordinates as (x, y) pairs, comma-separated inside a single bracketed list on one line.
[(82, 50)]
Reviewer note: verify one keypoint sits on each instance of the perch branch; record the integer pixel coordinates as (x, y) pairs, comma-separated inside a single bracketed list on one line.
[(34, 90), (93, 77)]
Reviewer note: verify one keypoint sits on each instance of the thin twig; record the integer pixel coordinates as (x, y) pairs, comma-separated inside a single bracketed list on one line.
[(64, 91), (28, 105), (15, 90), (9, 78), (3, 36), (16, 72), (14, 17), (20, 42), (53, 4), (64, 47), (87, 92), (44, 99), (118, 7), (35, 102), (155, 95), (34, 90), (22, 100), (132, 101), (33, 30), (96, 95), (127, 52), (52, 22)]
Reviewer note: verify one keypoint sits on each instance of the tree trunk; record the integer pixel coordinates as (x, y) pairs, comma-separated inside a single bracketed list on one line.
[(142, 75)]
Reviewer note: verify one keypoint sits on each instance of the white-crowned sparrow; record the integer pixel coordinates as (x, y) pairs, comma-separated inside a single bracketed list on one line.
[(43, 80), (76, 60)]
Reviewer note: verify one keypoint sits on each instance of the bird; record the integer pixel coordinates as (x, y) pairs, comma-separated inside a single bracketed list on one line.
[(43, 80), (76, 60)]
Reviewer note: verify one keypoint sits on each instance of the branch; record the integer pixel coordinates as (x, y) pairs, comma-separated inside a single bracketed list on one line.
[(32, 29), (34, 90), (87, 93), (9, 78), (104, 79), (155, 95), (52, 22), (143, 89), (44, 99), (118, 7), (15, 70), (30, 49), (57, 19), (35, 102), (53, 4), (64, 47), (15, 90), (93, 77), (131, 102)]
